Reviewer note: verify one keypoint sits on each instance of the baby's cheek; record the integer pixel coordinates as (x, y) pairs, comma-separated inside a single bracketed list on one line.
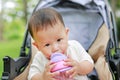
[(47, 56)]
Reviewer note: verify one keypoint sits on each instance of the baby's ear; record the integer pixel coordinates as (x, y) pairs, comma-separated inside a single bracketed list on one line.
[(67, 30), (35, 44)]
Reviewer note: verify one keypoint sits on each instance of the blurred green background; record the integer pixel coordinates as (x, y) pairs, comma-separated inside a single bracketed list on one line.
[(13, 19)]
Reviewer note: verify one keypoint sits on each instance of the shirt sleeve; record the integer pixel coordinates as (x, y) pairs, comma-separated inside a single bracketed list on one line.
[(77, 52), (37, 65)]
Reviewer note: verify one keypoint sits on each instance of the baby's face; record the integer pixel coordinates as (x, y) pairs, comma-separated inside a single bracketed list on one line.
[(54, 39)]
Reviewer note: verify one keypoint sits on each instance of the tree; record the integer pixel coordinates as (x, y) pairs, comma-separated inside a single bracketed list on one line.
[(1, 27), (115, 4), (25, 10), (1, 22)]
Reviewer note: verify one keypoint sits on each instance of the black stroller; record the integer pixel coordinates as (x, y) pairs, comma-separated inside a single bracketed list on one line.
[(91, 22)]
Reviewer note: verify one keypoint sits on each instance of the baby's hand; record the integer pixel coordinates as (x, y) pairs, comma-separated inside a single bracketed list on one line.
[(75, 67), (47, 75)]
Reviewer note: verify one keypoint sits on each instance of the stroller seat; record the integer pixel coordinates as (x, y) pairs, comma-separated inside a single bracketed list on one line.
[(90, 25)]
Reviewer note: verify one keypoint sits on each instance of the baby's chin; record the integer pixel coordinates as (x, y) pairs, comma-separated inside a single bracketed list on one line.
[(48, 57)]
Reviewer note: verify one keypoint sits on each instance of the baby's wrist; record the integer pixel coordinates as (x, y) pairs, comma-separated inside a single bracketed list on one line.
[(42, 77)]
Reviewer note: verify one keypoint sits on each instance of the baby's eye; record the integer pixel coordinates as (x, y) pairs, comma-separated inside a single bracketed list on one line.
[(58, 40), (47, 45)]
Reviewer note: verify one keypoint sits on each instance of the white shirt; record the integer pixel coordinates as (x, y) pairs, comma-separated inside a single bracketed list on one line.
[(75, 50)]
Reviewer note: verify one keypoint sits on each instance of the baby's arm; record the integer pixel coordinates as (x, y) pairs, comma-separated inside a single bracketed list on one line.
[(81, 68), (40, 68), (85, 67), (79, 59), (46, 75), (37, 76)]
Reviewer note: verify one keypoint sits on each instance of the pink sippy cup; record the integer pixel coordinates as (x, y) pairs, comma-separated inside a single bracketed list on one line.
[(58, 59)]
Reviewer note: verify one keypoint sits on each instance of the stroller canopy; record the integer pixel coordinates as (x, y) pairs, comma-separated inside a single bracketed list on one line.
[(87, 21)]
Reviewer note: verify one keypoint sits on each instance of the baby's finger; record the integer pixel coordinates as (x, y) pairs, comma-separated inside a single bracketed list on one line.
[(69, 59), (49, 66), (53, 79), (69, 63), (54, 74), (66, 74), (69, 56), (69, 72), (73, 74)]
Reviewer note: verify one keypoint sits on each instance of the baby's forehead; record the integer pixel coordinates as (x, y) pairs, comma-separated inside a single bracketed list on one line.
[(47, 26)]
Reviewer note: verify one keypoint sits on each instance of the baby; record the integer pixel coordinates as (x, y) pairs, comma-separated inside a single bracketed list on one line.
[(47, 28)]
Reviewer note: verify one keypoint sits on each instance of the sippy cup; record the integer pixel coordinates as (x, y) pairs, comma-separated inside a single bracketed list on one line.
[(58, 59)]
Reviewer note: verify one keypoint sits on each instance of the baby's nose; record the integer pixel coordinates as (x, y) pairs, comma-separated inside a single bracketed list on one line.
[(55, 48)]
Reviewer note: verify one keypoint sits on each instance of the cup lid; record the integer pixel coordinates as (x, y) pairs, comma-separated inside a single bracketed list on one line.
[(55, 57)]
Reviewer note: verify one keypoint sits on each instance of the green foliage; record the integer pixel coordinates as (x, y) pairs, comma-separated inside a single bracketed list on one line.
[(118, 4), (9, 48), (14, 29), (118, 28)]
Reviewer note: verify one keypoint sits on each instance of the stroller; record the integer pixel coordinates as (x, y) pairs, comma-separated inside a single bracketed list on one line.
[(91, 22)]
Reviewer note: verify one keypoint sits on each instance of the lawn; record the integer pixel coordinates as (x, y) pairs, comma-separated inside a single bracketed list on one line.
[(9, 48)]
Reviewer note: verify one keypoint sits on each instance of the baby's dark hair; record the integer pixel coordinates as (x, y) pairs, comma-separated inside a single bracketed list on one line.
[(42, 19)]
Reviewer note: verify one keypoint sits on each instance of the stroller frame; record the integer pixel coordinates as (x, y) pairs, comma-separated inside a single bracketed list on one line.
[(14, 67)]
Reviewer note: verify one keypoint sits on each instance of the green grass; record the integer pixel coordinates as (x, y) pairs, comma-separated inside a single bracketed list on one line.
[(9, 48)]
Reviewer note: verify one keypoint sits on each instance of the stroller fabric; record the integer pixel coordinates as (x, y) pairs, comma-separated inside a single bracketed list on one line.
[(88, 24)]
